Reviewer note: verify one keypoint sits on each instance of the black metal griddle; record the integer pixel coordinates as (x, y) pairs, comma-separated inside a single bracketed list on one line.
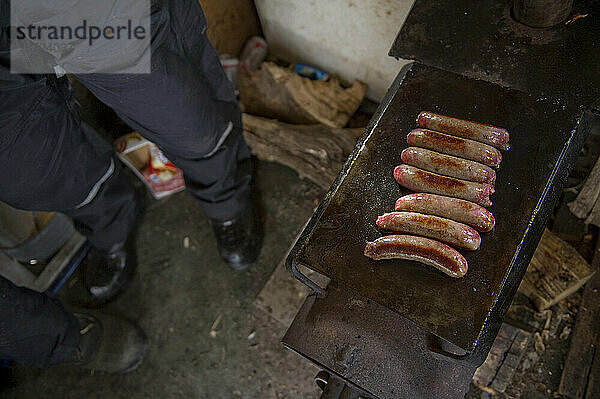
[(546, 135), (482, 40)]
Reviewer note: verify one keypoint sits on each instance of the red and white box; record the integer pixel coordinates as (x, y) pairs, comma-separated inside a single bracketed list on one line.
[(149, 164)]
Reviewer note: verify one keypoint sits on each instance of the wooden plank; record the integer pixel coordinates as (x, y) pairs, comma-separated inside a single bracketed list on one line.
[(278, 93), (282, 296), (15, 226), (511, 362), (58, 262), (588, 196), (556, 271), (42, 219), (584, 341), (485, 374), (23, 277), (594, 216), (593, 385), (316, 152), (16, 272), (499, 368)]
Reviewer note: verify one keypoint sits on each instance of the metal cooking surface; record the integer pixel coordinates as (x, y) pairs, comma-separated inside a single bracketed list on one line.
[(480, 39), (454, 309)]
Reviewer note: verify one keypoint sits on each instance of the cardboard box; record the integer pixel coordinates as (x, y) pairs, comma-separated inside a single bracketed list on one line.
[(149, 164)]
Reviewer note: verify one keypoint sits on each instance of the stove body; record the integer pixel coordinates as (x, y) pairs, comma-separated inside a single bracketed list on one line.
[(475, 62)]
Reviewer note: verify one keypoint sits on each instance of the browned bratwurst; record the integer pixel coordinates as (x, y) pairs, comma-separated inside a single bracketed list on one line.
[(489, 134), (422, 181), (448, 165), (452, 208), (457, 146), (441, 229), (421, 249)]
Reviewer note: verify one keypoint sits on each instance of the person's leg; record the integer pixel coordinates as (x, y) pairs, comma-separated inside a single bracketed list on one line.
[(188, 108), (173, 107), (35, 330), (51, 161)]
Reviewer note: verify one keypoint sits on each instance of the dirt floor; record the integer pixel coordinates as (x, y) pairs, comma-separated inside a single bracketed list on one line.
[(538, 375), (180, 294)]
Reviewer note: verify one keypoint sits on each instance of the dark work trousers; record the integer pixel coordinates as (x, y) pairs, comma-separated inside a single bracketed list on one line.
[(51, 161), (35, 330)]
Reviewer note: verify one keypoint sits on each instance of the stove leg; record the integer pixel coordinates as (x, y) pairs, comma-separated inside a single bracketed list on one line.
[(334, 388)]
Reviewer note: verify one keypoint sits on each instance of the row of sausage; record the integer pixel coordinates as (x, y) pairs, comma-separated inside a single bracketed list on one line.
[(450, 165)]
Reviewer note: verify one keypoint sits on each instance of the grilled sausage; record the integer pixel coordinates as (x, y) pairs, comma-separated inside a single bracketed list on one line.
[(445, 230), (424, 250), (422, 181), (457, 146), (488, 134), (452, 208), (448, 165)]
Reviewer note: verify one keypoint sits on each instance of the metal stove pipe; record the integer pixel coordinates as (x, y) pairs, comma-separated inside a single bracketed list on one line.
[(542, 13)]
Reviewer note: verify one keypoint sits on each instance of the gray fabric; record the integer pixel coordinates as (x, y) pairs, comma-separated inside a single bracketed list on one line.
[(81, 36)]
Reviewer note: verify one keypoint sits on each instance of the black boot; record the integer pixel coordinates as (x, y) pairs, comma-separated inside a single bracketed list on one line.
[(239, 239), (106, 276), (109, 343)]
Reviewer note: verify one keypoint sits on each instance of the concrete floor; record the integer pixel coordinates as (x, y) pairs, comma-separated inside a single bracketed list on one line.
[(178, 295)]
